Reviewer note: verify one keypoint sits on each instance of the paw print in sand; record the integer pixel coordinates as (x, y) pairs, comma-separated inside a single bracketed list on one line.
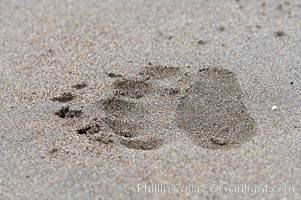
[(206, 106)]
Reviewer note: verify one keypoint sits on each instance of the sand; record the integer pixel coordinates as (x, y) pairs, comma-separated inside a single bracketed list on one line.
[(150, 100)]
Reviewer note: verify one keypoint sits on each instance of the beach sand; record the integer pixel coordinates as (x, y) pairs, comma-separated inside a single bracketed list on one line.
[(150, 99)]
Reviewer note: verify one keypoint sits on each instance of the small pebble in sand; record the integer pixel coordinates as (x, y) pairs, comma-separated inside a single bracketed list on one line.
[(274, 108), (220, 28), (280, 34), (201, 42)]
